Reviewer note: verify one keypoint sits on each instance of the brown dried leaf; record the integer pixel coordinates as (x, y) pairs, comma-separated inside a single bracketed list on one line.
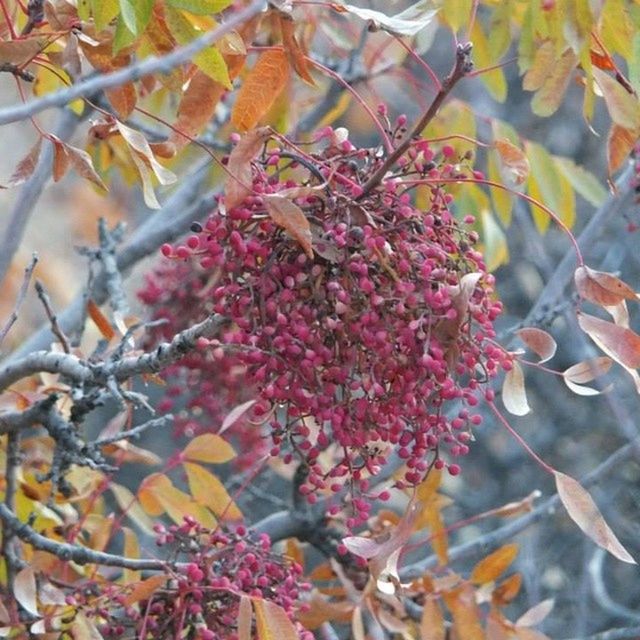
[(514, 162), (26, 166), (620, 143), (588, 370), (60, 159), (584, 512), (620, 343), (239, 181), (539, 341), (516, 508), (20, 52), (293, 49), (260, 89), (514, 394), (536, 614), (123, 99), (495, 564), (291, 218), (83, 165)]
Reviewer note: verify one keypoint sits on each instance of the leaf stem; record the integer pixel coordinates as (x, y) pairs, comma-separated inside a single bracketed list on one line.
[(461, 68)]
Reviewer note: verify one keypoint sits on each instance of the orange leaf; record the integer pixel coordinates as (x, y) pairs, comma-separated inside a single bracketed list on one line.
[(101, 321), (83, 165), (244, 618), (507, 590), (238, 184), (293, 49), (464, 611), (539, 341), (123, 99), (524, 633), (432, 621), (260, 89), (208, 490), (208, 447), (514, 394), (620, 143), (323, 610), (291, 218), (144, 590), (60, 159), (515, 165), (272, 622), (495, 564), (584, 512), (602, 60), (620, 343), (601, 287)]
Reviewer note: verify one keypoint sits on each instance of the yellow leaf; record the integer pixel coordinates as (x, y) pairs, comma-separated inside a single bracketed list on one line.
[(432, 621), (494, 80), (495, 564), (550, 95), (131, 550), (208, 447), (260, 89), (208, 491), (130, 505), (272, 622)]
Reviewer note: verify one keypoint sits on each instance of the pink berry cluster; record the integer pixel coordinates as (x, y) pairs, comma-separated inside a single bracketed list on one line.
[(378, 345), (202, 600)]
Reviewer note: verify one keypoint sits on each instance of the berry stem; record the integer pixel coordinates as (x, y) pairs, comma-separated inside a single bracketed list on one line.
[(462, 67)]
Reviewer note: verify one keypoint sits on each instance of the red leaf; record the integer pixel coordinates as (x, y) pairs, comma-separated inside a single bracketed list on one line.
[(291, 218), (539, 341), (601, 287), (584, 512), (620, 343), (123, 99)]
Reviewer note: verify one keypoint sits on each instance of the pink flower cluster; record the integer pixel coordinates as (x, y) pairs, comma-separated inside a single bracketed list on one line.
[(360, 352)]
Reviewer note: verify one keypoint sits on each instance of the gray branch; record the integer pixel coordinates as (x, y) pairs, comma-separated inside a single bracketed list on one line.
[(148, 66)]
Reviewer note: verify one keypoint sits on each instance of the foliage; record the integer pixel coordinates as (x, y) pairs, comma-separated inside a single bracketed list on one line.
[(332, 314)]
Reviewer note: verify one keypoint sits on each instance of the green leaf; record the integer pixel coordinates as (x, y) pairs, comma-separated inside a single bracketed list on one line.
[(502, 200), (200, 7), (210, 61), (546, 182), (567, 208), (84, 9), (136, 14), (123, 37), (493, 80), (500, 29), (583, 181), (181, 29), (634, 64), (104, 11), (540, 217), (495, 242), (623, 107)]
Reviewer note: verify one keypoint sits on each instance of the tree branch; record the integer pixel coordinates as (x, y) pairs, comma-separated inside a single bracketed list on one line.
[(146, 67), (28, 272), (490, 541)]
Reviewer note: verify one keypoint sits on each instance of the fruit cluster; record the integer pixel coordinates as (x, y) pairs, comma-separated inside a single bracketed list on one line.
[(203, 599), (358, 352)]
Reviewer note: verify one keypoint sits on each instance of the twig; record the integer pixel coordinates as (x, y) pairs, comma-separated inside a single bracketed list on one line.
[(146, 67), (164, 226), (73, 553), (630, 633), (113, 278), (600, 593), (461, 68), (134, 433), (9, 550), (23, 74), (488, 542), (28, 272), (53, 319)]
